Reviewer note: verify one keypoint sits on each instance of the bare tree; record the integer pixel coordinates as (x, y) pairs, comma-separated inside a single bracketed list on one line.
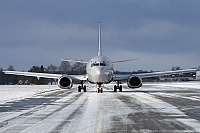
[(65, 67), (78, 68), (51, 68), (37, 69), (10, 68), (2, 77), (11, 79)]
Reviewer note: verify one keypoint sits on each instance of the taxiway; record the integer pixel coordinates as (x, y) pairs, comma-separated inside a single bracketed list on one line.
[(152, 108)]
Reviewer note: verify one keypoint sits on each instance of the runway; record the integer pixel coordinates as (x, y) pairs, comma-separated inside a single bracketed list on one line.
[(152, 108)]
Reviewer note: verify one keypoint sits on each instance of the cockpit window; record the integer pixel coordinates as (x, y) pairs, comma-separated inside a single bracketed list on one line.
[(98, 64), (102, 64)]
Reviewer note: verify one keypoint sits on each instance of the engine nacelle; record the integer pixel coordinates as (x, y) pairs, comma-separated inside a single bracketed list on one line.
[(65, 82), (134, 82)]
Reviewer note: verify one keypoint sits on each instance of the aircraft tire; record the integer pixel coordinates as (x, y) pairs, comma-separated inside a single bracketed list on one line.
[(84, 88), (79, 88), (115, 88), (120, 88)]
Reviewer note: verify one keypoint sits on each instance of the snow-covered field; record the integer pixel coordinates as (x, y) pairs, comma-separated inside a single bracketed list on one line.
[(182, 84), (16, 92)]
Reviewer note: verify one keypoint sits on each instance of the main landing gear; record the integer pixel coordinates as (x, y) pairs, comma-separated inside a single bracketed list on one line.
[(116, 87), (81, 87)]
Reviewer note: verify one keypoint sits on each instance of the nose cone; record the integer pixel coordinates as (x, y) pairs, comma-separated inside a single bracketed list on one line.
[(99, 70), (99, 75)]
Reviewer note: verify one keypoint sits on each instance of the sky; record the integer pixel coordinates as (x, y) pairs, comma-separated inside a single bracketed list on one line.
[(161, 33)]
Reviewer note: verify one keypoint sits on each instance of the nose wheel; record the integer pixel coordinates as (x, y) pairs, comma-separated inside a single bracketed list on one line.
[(99, 90)]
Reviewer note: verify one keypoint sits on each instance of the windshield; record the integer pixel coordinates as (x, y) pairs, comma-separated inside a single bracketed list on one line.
[(98, 64)]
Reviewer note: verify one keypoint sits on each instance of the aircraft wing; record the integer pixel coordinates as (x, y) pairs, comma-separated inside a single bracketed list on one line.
[(154, 74), (46, 75)]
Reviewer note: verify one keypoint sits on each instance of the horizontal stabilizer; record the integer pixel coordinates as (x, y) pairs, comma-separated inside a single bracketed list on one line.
[(77, 61), (123, 61)]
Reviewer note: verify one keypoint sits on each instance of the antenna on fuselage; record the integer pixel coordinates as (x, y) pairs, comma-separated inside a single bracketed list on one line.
[(99, 41)]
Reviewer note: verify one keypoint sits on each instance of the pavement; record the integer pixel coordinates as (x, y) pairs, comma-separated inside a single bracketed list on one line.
[(153, 108)]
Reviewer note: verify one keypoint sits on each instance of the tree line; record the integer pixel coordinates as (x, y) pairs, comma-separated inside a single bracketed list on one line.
[(64, 68)]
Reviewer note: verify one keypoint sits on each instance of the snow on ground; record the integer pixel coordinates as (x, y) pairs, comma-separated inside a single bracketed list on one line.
[(195, 84), (16, 92), (90, 112)]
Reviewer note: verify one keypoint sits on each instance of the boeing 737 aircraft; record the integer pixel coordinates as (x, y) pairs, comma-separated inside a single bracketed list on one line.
[(99, 71)]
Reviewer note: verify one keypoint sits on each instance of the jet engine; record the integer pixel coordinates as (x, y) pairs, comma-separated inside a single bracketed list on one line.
[(65, 82), (134, 82)]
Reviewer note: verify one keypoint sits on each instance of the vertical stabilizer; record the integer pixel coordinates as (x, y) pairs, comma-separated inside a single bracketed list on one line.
[(99, 41)]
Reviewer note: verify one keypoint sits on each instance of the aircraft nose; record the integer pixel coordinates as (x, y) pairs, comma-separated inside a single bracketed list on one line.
[(99, 70), (98, 74)]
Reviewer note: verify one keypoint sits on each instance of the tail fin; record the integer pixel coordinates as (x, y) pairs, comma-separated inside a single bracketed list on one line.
[(99, 41)]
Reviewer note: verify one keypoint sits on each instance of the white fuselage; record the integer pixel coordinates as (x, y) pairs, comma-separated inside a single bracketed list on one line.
[(99, 70)]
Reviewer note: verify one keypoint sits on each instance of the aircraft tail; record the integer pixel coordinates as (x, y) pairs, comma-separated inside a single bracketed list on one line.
[(99, 40)]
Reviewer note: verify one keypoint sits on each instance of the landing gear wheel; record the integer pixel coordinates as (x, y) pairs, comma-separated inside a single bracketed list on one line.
[(99, 90), (79, 88), (115, 88), (84, 88), (120, 88)]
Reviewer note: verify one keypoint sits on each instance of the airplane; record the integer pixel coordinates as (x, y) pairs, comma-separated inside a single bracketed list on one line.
[(99, 71)]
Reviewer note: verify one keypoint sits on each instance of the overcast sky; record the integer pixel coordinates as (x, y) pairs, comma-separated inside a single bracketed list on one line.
[(161, 33)]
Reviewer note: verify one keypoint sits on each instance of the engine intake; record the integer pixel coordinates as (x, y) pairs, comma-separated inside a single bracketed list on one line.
[(65, 82), (134, 82)]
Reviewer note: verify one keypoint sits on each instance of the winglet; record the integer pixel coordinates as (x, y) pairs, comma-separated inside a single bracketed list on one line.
[(99, 41)]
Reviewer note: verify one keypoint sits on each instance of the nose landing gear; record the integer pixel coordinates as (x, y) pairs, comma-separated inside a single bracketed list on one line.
[(99, 89)]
